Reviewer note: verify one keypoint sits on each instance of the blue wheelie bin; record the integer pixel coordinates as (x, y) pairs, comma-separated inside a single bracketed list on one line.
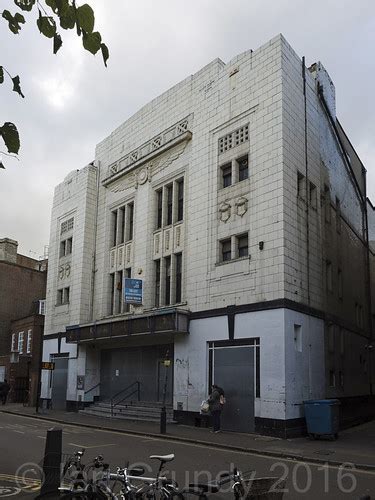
[(322, 418)]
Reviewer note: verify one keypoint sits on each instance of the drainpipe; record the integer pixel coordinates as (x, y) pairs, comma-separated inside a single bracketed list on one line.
[(370, 345), (307, 183)]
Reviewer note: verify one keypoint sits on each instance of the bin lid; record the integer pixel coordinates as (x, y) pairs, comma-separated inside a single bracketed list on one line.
[(322, 402)]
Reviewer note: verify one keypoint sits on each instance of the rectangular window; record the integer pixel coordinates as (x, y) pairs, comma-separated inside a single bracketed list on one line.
[(29, 342), (180, 200), (159, 195), (66, 295), (226, 174), (169, 204), (112, 291), (157, 283), (67, 226), (243, 245), (20, 342), (60, 294), (14, 345), (340, 283), (119, 292), (128, 274), (226, 250), (329, 276), (62, 248), (42, 307), (121, 224), (130, 210), (114, 227), (312, 196), (243, 168), (300, 185), (338, 216), (178, 278), (167, 264)]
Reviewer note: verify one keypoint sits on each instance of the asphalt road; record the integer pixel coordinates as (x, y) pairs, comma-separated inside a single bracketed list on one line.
[(22, 442)]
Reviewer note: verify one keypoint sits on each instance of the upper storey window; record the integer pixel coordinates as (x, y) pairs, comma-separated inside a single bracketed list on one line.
[(122, 224), (234, 171), (170, 204), (233, 139), (67, 226)]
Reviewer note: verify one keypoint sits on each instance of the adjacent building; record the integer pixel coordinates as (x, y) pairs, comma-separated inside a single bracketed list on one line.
[(239, 202), (22, 301)]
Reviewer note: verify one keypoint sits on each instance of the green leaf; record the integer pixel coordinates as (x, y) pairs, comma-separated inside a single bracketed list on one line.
[(92, 41), (86, 18), (1, 74), (52, 4), (11, 137), (68, 18), (25, 4), (13, 22), (16, 85), (57, 42), (105, 53), (46, 25)]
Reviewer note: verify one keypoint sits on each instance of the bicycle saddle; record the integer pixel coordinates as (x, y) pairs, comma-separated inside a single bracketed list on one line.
[(163, 458), (205, 487)]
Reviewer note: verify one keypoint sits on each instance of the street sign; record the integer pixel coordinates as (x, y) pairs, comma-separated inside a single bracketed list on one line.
[(133, 291), (47, 365)]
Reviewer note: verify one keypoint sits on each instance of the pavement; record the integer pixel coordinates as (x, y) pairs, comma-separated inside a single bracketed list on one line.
[(354, 446)]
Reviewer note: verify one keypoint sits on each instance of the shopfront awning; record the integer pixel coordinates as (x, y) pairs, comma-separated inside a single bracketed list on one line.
[(171, 321)]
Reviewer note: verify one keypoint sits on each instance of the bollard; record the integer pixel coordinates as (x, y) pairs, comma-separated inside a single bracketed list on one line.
[(163, 421), (52, 464)]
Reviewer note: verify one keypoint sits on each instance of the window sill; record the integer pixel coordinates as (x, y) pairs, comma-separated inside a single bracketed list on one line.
[(237, 259)]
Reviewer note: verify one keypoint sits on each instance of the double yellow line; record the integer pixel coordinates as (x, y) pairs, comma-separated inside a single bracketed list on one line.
[(23, 483)]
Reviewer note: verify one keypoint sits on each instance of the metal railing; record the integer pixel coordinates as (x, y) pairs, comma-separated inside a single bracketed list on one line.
[(91, 389), (124, 394)]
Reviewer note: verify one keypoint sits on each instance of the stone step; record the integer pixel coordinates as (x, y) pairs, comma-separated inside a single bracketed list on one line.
[(122, 416), (122, 408)]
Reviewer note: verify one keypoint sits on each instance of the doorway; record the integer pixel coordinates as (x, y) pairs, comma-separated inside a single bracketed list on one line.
[(59, 383)]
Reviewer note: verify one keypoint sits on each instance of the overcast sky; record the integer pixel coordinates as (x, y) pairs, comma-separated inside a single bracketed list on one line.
[(72, 102)]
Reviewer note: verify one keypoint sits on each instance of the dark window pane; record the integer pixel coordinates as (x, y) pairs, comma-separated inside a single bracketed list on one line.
[(114, 227), (180, 200), (227, 175), (130, 208), (243, 246), (225, 250), (169, 204), (157, 283), (178, 277), (159, 208), (167, 280), (243, 168)]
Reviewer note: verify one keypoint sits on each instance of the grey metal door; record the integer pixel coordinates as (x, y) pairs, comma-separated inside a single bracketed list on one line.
[(234, 372), (59, 383)]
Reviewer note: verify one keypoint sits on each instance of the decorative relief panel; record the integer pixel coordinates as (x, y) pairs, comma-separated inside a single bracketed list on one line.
[(153, 145), (112, 259), (157, 244), (178, 237), (167, 241), (128, 254), (64, 271), (224, 211), (120, 257), (241, 205)]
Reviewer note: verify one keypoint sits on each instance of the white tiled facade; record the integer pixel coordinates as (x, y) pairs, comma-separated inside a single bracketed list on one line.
[(251, 107)]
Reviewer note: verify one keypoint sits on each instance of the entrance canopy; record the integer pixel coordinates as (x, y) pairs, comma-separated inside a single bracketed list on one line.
[(172, 321)]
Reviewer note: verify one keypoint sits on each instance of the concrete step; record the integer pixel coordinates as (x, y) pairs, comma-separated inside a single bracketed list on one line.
[(123, 416), (131, 409)]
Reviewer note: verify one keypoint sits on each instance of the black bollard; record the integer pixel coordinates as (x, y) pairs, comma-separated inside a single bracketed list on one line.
[(163, 421), (52, 464)]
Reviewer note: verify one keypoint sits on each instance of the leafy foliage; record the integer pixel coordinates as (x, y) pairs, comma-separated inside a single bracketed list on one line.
[(69, 16)]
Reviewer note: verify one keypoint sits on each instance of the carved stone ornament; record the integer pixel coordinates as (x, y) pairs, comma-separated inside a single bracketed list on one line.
[(224, 211), (241, 206), (142, 176)]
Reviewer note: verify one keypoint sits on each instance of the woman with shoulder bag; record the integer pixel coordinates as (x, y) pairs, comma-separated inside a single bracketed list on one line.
[(216, 402)]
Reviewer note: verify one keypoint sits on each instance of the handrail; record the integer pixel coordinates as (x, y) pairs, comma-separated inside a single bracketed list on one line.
[(137, 391), (92, 388)]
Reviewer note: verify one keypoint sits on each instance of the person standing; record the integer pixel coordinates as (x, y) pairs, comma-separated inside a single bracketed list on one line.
[(215, 402), (4, 390)]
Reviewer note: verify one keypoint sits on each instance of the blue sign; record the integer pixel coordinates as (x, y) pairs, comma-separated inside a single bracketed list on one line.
[(133, 291)]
